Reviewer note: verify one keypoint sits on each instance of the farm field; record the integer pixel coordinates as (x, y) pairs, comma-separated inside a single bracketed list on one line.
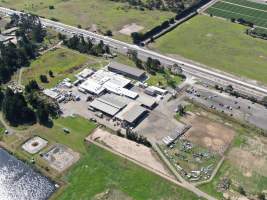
[(218, 44), (64, 63), (93, 14), (100, 171), (236, 9)]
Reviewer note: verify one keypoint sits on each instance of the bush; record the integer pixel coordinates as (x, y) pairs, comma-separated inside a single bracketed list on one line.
[(51, 7), (43, 78)]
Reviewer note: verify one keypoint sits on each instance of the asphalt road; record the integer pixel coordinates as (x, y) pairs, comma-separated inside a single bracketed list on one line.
[(191, 69)]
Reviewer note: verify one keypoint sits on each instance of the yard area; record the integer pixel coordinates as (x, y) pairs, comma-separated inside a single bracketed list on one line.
[(78, 127), (102, 14), (99, 171), (219, 44), (64, 63)]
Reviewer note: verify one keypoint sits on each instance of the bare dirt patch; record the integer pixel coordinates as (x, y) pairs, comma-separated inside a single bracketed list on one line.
[(130, 149), (209, 134), (247, 162), (131, 28), (61, 157)]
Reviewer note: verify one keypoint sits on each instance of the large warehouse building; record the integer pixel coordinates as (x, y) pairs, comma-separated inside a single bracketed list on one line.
[(128, 71)]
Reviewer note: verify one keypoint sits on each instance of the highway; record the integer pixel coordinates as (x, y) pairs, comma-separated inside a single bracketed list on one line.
[(208, 75)]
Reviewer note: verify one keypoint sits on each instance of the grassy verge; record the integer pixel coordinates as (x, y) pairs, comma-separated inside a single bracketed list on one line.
[(62, 62), (159, 79), (218, 44)]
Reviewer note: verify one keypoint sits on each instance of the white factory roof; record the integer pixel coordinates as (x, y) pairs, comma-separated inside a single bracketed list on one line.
[(51, 93), (102, 76), (157, 89), (92, 86), (86, 73), (119, 90)]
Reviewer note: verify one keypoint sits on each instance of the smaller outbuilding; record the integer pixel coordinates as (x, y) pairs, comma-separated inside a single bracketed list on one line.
[(147, 101), (132, 114), (85, 73)]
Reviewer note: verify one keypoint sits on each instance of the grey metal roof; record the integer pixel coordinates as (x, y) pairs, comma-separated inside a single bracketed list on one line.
[(126, 69), (113, 100), (146, 100), (4, 38), (133, 113), (106, 108), (8, 31)]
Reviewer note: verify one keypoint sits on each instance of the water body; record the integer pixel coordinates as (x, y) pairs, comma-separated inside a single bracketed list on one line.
[(19, 181)]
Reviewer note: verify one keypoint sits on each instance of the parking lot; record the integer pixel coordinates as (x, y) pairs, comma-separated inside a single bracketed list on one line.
[(236, 107)]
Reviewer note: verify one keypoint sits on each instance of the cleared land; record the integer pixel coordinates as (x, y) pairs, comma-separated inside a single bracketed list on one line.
[(102, 14), (245, 161), (100, 170), (236, 9), (64, 63), (245, 165), (131, 149), (208, 134), (218, 44)]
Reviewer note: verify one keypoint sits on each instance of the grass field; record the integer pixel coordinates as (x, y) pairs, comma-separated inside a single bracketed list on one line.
[(247, 10), (100, 170), (62, 62), (79, 129), (218, 44), (105, 14)]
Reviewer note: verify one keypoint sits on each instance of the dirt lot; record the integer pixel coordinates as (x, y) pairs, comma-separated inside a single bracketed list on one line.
[(247, 162), (131, 149), (61, 158), (208, 134), (131, 28), (251, 157)]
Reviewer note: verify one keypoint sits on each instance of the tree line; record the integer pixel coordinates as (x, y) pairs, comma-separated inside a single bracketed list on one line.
[(168, 5), (13, 56), (85, 45), (181, 12), (28, 107)]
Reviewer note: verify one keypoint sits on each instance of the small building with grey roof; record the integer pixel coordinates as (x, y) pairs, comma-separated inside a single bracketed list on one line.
[(109, 104), (127, 71), (132, 114)]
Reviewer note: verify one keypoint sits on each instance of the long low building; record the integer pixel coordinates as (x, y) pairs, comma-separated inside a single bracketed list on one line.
[(131, 114), (108, 104), (126, 70)]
